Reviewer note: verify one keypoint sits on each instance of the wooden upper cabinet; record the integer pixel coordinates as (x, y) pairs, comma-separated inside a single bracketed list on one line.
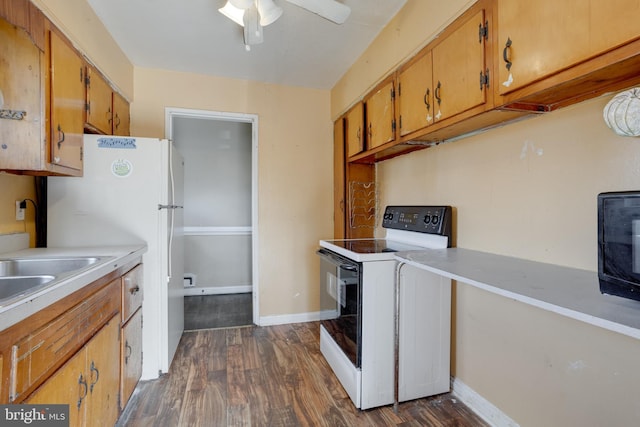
[(354, 130), (459, 69), (415, 94), (99, 102), (339, 167), (121, 118), (380, 115), (67, 103), (539, 38)]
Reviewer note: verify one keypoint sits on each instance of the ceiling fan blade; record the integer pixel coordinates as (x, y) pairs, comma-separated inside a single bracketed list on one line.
[(328, 9)]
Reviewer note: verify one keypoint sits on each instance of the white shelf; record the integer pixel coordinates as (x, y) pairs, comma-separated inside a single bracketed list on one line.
[(566, 291)]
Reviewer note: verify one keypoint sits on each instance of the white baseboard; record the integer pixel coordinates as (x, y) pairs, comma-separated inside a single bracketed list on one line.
[(217, 290), (289, 318), (481, 406)]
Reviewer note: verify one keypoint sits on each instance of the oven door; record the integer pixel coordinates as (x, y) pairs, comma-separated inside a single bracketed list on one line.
[(340, 302)]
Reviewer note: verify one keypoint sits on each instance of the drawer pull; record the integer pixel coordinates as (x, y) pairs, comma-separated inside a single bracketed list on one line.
[(129, 351), (97, 375), (134, 290), (83, 383)]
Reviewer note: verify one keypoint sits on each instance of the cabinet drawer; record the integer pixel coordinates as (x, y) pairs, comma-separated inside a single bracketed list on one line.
[(36, 355), (131, 292)]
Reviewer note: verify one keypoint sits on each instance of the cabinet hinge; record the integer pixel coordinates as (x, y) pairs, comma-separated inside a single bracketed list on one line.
[(87, 107), (393, 125), (400, 120), (483, 31), (81, 153), (399, 89), (393, 93), (484, 79)]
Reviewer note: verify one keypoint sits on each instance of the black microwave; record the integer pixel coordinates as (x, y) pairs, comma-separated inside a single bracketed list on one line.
[(619, 244)]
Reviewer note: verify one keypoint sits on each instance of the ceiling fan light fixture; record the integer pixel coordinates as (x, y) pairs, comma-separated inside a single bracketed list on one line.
[(269, 12), (252, 28), (233, 13)]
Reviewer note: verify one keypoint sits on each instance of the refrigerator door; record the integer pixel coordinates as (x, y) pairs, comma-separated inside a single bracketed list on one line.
[(175, 243), (116, 203)]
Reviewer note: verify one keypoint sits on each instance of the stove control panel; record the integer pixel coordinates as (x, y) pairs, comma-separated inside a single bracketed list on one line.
[(422, 219)]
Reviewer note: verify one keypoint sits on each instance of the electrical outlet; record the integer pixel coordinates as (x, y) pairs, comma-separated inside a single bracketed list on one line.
[(19, 211)]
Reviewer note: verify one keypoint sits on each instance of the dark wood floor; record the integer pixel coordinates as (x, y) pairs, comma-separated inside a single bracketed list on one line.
[(271, 376), (217, 311)]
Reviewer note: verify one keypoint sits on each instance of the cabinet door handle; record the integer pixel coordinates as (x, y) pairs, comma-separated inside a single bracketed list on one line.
[(108, 114), (134, 290), (370, 130), (506, 54), (436, 93), (117, 121), (60, 136), (83, 383), (426, 99), (97, 376), (129, 352)]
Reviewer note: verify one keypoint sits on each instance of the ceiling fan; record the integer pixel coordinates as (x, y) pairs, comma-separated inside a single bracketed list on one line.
[(255, 14)]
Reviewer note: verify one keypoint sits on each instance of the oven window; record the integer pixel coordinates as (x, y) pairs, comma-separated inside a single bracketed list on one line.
[(340, 290)]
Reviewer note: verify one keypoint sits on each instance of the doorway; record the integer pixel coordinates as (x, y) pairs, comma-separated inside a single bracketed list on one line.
[(220, 215)]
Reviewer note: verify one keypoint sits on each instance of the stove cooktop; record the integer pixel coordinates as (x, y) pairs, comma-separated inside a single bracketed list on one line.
[(407, 228), (373, 246)]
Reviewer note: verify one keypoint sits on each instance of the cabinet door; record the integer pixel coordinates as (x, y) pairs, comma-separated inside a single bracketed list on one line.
[(67, 386), (339, 163), (121, 118), (613, 22), (20, 85), (380, 116), (103, 374), (88, 382), (540, 37), (67, 104), (99, 101), (415, 95), (354, 122), (131, 357), (458, 62)]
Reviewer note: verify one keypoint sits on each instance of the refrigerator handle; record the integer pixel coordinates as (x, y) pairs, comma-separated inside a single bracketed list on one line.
[(170, 207)]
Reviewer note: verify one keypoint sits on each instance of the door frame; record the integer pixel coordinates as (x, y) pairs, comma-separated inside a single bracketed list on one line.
[(170, 114)]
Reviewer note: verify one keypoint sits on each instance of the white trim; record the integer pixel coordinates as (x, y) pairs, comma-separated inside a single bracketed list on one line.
[(245, 118), (481, 406), (284, 319), (218, 231), (217, 290)]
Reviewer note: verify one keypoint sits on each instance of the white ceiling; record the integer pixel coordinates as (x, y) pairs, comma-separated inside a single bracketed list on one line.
[(299, 49)]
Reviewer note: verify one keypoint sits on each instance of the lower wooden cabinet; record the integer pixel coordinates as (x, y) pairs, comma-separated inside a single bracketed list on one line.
[(130, 357), (88, 382)]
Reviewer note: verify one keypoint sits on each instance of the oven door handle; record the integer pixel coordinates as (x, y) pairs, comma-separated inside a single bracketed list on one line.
[(336, 260)]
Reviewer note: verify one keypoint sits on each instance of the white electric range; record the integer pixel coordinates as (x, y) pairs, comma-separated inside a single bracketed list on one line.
[(357, 301)]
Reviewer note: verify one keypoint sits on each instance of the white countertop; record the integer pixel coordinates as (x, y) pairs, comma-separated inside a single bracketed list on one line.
[(567, 291), (114, 257)]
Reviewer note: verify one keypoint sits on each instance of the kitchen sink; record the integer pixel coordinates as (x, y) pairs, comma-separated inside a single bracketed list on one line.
[(15, 286), (44, 266)]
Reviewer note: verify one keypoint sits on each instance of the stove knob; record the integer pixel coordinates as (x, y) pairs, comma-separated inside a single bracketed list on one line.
[(427, 219), (435, 220)]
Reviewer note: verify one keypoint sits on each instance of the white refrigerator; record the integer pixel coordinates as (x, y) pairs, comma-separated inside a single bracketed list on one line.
[(131, 192)]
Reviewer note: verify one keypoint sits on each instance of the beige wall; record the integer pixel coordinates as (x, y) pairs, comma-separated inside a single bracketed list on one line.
[(294, 170), (12, 188), (528, 190)]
